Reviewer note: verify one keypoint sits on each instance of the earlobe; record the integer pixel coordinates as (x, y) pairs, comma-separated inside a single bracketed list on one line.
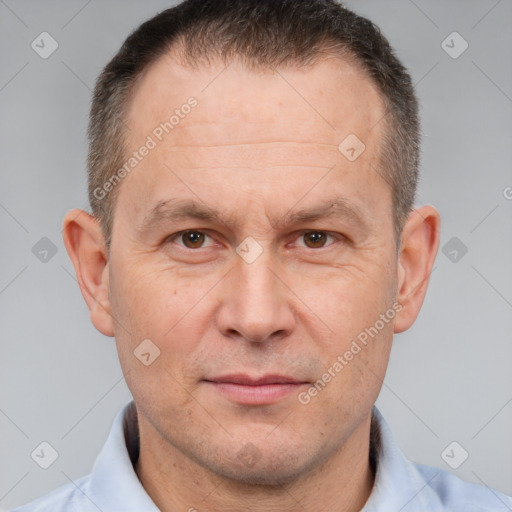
[(85, 244), (420, 241)]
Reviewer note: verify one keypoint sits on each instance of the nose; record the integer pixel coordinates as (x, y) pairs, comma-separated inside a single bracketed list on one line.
[(256, 305)]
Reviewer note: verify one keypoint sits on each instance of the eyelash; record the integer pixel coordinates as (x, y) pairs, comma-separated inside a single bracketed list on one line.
[(334, 236)]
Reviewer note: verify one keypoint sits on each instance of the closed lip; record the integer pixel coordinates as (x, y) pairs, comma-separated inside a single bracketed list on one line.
[(246, 380), (244, 389)]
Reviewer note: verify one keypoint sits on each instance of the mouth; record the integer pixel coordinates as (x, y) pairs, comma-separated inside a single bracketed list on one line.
[(264, 390)]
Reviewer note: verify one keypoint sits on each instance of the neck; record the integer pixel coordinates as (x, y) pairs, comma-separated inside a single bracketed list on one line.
[(174, 482)]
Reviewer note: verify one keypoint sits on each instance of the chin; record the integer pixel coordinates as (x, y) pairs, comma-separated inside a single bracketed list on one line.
[(266, 475), (271, 468)]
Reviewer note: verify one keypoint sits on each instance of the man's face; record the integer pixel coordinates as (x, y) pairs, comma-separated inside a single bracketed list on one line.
[(255, 304)]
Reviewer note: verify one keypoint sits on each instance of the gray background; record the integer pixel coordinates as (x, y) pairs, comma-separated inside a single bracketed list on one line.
[(449, 377)]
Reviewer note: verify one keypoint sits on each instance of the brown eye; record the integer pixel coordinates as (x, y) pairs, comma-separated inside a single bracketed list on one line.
[(193, 239), (315, 239)]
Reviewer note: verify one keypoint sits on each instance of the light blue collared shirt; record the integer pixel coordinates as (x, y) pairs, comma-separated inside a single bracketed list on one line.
[(400, 485)]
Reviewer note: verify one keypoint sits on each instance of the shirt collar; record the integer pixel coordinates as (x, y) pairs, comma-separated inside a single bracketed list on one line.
[(398, 483), (114, 482), (115, 485)]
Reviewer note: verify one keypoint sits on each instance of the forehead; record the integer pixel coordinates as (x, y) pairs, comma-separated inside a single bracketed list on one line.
[(332, 96), (279, 122)]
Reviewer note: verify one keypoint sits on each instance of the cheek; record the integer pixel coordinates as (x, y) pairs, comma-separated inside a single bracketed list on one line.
[(153, 300), (160, 305), (350, 301), (351, 382), (156, 306), (347, 300)]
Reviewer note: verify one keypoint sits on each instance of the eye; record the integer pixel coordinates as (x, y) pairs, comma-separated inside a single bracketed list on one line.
[(191, 239), (316, 239)]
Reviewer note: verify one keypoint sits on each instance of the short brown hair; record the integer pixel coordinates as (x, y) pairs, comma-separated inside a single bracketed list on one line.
[(262, 33)]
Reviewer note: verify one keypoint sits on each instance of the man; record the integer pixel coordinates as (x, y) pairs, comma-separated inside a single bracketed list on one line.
[(253, 248)]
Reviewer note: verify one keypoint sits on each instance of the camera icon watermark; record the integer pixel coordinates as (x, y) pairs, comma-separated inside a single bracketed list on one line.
[(147, 352), (249, 454), (44, 250), (44, 455), (249, 250), (44, 45), (454, 249), (454, 45), (352, 147), (454, 455)]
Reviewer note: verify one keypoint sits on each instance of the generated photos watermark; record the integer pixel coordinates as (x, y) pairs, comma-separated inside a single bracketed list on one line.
[(156, 137), (355, 348)]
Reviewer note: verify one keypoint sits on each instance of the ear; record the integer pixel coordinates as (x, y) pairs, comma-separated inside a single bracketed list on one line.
[(419, 244), (85, 243)]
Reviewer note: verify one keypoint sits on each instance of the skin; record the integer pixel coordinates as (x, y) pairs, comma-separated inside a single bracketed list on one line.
[(259, 145)]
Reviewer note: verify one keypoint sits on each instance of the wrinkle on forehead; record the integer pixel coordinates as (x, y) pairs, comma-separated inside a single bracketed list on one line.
[(257, 155), (324, 102)]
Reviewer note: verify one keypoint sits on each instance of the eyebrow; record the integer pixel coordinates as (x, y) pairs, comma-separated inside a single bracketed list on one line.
[(336, 207), (175, 210)]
